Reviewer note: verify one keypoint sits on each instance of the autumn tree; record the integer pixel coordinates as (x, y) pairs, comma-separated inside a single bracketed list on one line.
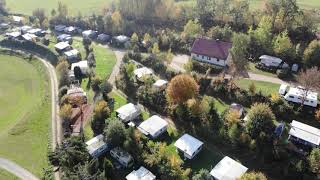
[(147, 41), (135, 42), (63, 71), (155, 49), (91, 60), (253, 176), (309, 80), (314, 161), (3, 7), (260, 120), (262, 36), (101, 113), (311, 54), (192, 30), (233, 118), (115, 133), (117, 22), (96, 84), (87, 43), (239, 55), (181, 88), (40, 14), (283, 47)]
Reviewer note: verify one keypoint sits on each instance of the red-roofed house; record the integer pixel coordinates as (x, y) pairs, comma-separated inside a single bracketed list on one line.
[(211, 51)]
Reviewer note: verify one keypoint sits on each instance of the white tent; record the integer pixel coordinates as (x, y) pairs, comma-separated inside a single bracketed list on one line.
[(128, 112), (305, 132), (154, 126), (228, 169), (189, 145), (141, 174), (17, 19)]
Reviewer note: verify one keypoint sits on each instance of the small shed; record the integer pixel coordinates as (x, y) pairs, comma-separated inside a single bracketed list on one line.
[(189, 146), (59, 28), (89, 34), (35, 31), (270, 61), (304, 134), (73, 55), (142, 73), (160, 84), (97, 147), (103, 38), (62, 46), (128, 112), (83, 65), (295, 68), (123, 157), (141, 174), (228, 169), (153, 127)]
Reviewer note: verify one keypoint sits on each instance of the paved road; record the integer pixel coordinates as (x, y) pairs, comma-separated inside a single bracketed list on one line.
[(55, 119), (16, 170)]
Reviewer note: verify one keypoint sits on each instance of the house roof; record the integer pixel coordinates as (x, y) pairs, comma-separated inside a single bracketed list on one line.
[(188, 144), (142, 72), (73, 52), (160, 83), (122, 38), (212, 48), (305, 132), (95, 143), (34, 31), (128, 110), (26, 28), (228, 169), (69, 29), (14, 34), (60, 27), (62, 45), (88, 32), (29, 37), (152, 125), (76, 91), (80, 64), (141, 174)]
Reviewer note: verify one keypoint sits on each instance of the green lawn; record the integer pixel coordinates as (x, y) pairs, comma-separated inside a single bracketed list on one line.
[(265, 87), (25, 112), (75, 6), (307, 4), (6, 175)]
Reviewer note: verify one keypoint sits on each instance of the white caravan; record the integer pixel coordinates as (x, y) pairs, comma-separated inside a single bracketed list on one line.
[(297, 94)]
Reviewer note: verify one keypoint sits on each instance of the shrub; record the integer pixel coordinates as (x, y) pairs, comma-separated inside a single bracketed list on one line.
[(317, 115), (283, 73)]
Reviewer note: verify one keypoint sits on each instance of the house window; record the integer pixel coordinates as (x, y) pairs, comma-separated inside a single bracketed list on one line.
[(217, 60), (202, 57), (209, 58)]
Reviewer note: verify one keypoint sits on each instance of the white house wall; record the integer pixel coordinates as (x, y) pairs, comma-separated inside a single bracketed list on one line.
[(210, 60)]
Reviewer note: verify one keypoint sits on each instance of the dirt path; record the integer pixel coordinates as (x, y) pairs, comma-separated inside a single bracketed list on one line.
[(17, 170)]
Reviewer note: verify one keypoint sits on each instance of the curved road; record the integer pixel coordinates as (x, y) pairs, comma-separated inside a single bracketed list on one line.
[(55, 123)]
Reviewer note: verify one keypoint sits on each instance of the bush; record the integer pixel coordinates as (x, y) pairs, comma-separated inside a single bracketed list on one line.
[(283, 73)]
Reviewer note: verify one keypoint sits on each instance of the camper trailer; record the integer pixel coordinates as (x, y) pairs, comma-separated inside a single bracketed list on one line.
[(297, 94)]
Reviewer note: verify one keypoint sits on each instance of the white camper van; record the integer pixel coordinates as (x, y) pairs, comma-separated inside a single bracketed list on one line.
[(296, 94)]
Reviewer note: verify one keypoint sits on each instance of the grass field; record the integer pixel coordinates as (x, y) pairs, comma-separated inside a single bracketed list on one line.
[(6, 175), (265, 87), (75, 6), (24, 113)]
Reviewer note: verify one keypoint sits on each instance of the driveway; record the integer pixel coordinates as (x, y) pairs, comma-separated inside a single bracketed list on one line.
[(16, 170), (179, 61)]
